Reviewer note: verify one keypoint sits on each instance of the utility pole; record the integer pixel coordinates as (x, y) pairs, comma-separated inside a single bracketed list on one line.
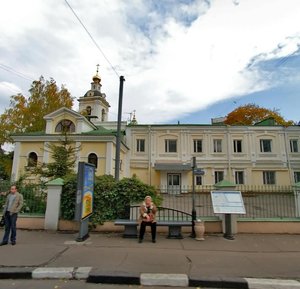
[(118, 137), (194, 166)]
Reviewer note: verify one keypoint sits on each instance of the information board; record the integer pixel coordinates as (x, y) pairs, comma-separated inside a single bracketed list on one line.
[(227, 202)]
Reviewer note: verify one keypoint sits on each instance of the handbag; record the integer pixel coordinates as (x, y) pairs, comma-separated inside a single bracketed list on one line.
[(2, 222)]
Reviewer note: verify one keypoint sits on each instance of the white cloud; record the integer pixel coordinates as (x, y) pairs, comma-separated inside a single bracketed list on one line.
[(176, 58)]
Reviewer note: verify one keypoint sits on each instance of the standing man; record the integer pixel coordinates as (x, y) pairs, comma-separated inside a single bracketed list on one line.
[(13, 205)]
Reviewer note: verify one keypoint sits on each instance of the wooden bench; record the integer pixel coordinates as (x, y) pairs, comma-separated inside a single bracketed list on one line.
[(174, 219)]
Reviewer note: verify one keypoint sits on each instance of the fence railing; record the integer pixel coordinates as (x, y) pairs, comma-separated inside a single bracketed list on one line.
[(35, 198), (260, 201)]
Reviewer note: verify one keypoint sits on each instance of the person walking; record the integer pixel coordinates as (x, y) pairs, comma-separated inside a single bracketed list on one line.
[(13, 205), (147, 216)]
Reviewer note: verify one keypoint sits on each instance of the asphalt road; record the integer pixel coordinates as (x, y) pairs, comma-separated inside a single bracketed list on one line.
[(69, 284)]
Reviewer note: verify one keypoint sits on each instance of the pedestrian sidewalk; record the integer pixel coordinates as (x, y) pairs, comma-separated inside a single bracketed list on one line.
[(249, 261)]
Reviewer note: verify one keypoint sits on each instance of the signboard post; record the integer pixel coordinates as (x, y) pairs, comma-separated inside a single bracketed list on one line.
[(84, 198), (228, 202)]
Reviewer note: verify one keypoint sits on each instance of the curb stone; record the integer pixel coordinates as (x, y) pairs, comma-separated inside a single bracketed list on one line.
[(96, 275)]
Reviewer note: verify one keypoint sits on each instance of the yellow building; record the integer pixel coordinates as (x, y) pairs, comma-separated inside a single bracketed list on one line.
[(161, 155)]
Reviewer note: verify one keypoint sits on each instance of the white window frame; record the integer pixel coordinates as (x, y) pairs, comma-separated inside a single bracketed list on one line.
[(269, 177), (218, 146), (140, 145), (196, 146), (236, 146), (237, 175), (265, 145), (294, 146), (168, 143)]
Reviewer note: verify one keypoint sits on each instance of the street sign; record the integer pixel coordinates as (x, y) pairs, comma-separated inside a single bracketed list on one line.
[(198, 172), (227, 202)]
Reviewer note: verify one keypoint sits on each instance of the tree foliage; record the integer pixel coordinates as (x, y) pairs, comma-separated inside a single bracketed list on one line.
[(112, 199), (25, 114), (63, 155), (250, 114), (6, 160)]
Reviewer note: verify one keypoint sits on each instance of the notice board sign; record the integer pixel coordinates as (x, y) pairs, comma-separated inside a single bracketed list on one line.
[(227, 202), (85, 191)]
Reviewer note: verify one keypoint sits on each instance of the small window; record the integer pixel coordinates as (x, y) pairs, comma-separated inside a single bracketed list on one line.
[(93, 159), (103, 115), (265, 145), (88, 110), (294, 146), (197, 145), (170, 145), (269, 178), (32, 159), (217, 145), (65, 125), (219, 176), (239, 177), (198, 180), (140, 145), (237, 146), (297, 177)]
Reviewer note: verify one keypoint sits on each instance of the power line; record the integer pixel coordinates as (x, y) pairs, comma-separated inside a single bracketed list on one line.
[(11, 70), (92, 38)]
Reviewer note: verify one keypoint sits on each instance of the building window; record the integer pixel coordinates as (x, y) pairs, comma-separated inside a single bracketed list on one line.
[(93, 159), (265, 145), (197, 145), (217, 145), (103, 115), (269, 178), (239, 177), (32, 159), (65, 125), (237, 146), (219, 176), (198, 180), (170, 145), (294, 145), (297, 177), (140, 145)]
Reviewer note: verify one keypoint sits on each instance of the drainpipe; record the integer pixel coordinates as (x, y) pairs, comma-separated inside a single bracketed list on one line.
[(228, 154), (287, 156)]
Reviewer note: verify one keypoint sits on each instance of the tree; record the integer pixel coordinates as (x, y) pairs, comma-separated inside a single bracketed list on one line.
[(250, 114), (64, 157), (25, 114), (5, 164)]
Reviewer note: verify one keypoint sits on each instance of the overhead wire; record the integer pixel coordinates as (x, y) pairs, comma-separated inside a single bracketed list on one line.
[(18, 73), (92, 38)]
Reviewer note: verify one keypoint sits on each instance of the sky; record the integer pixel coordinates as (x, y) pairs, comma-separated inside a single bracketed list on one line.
[(184, 61)]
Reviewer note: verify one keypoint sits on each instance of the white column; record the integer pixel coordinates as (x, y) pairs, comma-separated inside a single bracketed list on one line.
[(109, 159), (54, 189), (16, 162)]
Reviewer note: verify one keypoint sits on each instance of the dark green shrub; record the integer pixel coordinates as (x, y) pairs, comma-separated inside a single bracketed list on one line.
[(111, 199)]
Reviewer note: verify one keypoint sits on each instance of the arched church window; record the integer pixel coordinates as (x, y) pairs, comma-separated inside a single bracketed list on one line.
[(65, 125), (93, 159), (88, 110), (103, 115), (32, 159)]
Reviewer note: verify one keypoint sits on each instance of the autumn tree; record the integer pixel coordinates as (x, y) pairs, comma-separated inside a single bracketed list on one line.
[(250, 114), (25, 114)]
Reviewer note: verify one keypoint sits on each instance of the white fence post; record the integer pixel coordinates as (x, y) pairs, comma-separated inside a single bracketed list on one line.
[(54, 189)]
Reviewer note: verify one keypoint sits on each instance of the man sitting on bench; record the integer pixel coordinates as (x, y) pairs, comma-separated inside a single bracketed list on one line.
[(147, 216)]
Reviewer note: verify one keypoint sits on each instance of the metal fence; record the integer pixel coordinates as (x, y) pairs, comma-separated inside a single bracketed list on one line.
[(260, 201), (34, 198)]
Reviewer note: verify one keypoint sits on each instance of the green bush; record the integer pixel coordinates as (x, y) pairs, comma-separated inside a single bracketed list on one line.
[(111, 199)]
